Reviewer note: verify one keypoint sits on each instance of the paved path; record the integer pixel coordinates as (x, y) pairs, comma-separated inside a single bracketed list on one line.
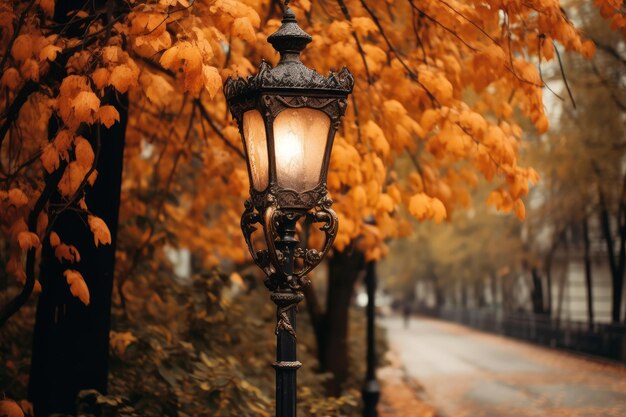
[(466, 373)]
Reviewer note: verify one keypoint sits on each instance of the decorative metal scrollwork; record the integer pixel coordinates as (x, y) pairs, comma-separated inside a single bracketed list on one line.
[(249, 218), (282, 245)]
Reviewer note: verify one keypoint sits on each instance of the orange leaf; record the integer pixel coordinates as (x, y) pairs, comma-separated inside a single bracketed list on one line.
[(10, 408), (66, 252), (84, 152), (108, 115), (17, 197), (122, 78), (86, 105), (101, 233), (28, 240), (77, 284), (242, 29), (55, 240)]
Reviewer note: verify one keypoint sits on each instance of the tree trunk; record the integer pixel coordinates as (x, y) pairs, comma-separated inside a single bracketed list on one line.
[(493, 281), (548, 271), (479, 293), (71, 340), (617, 270), (588, 277), (463, 294), (537, 292), (562, 282), (440, 297), (331, 327)]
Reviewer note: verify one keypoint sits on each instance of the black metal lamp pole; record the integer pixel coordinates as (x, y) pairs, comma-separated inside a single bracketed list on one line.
[(286, 301), (287, 116), (371, 389)]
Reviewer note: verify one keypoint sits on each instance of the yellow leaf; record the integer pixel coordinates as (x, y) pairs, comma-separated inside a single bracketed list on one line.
[(374, 134), (62, 142), (11, 79), (242, 29), (212, 80), (419, 206), (588, 49), (17, 227), (17, 197), (22, 48), (188, 58), (55, 240), (77, 284), (67, 253), (30, 70), (86, 105), (100, 77), (73, 177), (28, 240), (169, 58), (10, 408), (364, 26), (385, 203), (49, 53), (108, 115), (84, 152), (439, 213), (423, 207), (112, 55), (122, 78), (101, 233), (50, 158)]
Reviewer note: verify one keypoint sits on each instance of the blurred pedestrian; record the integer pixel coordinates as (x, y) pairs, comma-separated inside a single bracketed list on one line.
[(406, 313)]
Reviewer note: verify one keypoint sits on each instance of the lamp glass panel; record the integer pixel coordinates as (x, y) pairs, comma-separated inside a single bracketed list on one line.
[(300, 143), (256, 145)]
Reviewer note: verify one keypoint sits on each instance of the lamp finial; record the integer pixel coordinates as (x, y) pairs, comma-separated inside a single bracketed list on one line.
[(289, 39)]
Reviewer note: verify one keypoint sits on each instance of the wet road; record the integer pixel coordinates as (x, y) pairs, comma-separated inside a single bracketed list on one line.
[(465, 373)]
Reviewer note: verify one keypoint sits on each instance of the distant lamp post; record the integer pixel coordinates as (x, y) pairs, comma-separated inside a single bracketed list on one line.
[(371, 388), (288, 116)]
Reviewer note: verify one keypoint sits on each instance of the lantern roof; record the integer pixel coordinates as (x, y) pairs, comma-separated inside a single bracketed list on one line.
[(290, 75)]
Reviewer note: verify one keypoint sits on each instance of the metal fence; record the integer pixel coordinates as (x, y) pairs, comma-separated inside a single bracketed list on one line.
[(599, 339)]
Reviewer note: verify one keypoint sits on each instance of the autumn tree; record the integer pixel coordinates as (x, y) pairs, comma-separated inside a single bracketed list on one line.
[(437, 83)]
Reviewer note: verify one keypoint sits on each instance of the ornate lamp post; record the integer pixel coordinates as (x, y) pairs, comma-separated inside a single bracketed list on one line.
[(288, 116)]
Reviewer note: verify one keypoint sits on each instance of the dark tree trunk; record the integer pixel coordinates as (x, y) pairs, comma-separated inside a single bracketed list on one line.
[(616, 263), (331, 326), (71, 340), (440, 297), (343, 270), (463, 294), (493, 281), (548, 271), (479, 293), (537, 292), (588, 276)]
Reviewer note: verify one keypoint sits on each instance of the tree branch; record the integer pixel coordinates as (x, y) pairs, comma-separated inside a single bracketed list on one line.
[(14, 305), (16, 32), (410, 72), (346, 13), (206, 116)]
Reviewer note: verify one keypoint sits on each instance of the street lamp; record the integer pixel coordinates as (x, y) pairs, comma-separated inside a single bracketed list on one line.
[(287, 116)]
